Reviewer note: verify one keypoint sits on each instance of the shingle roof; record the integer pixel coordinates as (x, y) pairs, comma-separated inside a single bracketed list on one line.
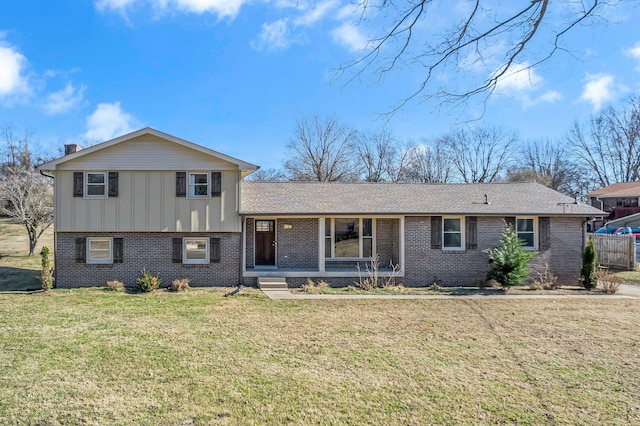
[(621, 189), (308, 198)]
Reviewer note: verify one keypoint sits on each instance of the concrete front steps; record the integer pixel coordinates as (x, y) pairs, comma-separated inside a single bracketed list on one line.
[(272, 283)]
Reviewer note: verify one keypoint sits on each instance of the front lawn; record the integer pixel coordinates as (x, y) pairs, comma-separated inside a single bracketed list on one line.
[(94, 357)]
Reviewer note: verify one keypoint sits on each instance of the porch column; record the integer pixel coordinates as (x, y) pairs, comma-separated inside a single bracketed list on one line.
[(321, 261)]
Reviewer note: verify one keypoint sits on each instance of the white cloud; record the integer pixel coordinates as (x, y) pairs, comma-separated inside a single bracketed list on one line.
[(524, 84), (349, 36), (116, 5), (316, 13), (550, 96), (600, 89), (13, 81), (634, 52), (519, 78), (273, 36), (109, 121), (63, 100), (223, 8)]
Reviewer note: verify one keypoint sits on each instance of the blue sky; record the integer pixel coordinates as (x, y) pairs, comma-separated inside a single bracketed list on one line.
[(234, 75)]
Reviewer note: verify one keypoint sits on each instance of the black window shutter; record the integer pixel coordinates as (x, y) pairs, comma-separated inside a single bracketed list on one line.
[(181, 184), (216, 184), (472, 232), (511, 221), (214, 250), (544, 232), (81, 250), (113, 184), (117, 250), (436, 232), (78, 184), (177, 250)]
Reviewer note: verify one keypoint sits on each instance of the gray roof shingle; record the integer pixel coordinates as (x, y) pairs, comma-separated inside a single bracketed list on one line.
[(317, 198)]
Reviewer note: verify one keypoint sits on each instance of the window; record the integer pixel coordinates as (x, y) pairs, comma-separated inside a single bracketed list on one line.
[(452, 233), (96, 185), (525, 230), (99, 250), (196, 250), (349, 238), (199, 185)]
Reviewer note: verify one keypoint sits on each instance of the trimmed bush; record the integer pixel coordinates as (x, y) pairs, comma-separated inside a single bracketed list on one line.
[(46, 277), (588, 277), (148, 282)]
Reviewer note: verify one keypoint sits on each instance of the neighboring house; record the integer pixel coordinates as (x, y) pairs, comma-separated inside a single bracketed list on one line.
[(151, 200), (618, 200)]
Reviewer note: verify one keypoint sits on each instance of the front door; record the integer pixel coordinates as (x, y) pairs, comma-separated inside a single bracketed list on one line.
[(265, 242)]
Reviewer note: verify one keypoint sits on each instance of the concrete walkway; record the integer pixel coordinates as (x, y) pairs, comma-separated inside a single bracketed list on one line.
[(625, 291)]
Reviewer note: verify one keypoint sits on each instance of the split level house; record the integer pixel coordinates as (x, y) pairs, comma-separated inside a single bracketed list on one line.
[(151, 200)]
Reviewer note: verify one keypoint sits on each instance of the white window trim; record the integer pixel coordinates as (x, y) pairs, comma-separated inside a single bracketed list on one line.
[(85, 189), (187, 261), (463, 235), (208, 174), (99, 261), (360, 238), (535, 231)]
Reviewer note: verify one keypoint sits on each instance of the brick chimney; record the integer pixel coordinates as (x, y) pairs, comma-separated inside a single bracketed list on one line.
[(71, 148)]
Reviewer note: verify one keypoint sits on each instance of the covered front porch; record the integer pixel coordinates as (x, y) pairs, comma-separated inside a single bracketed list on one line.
[(322, 247)]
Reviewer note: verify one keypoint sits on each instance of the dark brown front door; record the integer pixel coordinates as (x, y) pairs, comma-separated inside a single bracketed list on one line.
[(265, 242)]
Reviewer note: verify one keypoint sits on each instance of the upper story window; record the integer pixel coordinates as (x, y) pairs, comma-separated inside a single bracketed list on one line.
[(198, 184), (525, 230), (452, 235), (95, 185), (349, 237)]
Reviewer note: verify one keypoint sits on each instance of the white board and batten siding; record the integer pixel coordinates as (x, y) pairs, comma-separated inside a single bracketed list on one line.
[(147, 152), (146, 200)]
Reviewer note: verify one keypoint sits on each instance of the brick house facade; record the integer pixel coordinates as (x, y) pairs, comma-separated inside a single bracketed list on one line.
[(151, 200)]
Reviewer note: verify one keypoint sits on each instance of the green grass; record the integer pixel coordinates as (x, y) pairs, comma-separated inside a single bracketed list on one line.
[(99, 357), (18, 270)]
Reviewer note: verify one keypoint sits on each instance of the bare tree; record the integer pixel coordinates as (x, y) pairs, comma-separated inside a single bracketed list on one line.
[(376, 151), (549, 163), (430, 163), (322, 150), (267, 175), (398, 164), (25, 195), (481, 154), (498, 39), (607, 147)]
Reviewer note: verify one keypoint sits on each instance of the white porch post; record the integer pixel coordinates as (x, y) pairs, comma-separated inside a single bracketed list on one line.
[(401, 232), (321, 237)]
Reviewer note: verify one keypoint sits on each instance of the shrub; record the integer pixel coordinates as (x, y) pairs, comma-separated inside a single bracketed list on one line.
[(148, 282), (312, 287), (546, 280), (309, 286), (509, 260), (322, 285), (179, 285), (588, 276), (114, 285), (608, 282), (46, 277)]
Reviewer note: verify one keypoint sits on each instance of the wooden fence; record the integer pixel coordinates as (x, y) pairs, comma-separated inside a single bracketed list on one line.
[(615, 250)]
